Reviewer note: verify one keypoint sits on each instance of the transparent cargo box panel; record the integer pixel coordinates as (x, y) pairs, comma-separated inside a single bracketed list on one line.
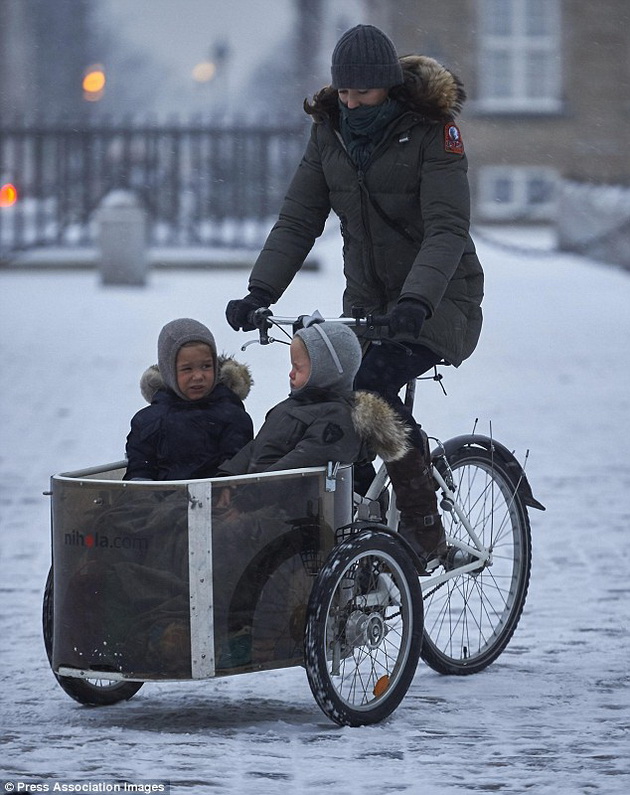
[(179, 580), (121, 583)]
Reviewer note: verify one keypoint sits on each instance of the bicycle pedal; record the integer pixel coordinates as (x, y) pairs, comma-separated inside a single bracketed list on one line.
[(370, 511), (447, 504), (430, 566)]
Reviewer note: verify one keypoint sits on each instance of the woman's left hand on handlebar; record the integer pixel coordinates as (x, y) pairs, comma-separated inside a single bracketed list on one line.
[(239, 311)]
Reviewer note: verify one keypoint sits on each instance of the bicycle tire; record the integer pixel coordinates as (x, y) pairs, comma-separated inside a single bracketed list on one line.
[(91, 692), (363, 629), (470, 619)]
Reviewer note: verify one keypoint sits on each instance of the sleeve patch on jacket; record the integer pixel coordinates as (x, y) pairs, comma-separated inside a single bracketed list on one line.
[(332, 433), (453, 139)]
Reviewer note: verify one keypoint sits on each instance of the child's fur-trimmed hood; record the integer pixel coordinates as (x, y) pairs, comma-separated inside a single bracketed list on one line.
[(375, 421), (382, 429), (232, 374)]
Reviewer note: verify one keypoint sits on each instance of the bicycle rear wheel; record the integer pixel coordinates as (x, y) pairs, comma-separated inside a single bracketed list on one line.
[(470, 618), (363, 629)]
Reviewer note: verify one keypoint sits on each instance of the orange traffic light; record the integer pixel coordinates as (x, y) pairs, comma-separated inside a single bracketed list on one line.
[(8, 194)]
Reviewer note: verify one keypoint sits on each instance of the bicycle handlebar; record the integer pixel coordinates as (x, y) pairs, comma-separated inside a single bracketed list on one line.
[(263, 319)]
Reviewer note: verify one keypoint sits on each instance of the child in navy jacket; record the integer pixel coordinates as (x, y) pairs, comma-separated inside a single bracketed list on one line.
[(196, 418)]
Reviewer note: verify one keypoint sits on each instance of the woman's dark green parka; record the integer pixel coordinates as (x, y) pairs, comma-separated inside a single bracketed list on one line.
[(404, 219)]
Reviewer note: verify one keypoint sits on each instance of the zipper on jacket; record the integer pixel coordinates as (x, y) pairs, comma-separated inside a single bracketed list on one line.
[(370, 265), (390, 136)]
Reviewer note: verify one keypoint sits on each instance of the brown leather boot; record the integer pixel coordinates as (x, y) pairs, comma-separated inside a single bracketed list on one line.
[(420, 523)]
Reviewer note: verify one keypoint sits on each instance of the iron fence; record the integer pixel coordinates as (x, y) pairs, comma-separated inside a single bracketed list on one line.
[(199, 185)]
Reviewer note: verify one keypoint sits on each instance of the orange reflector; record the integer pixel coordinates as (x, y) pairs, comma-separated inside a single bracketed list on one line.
[(381, 686), (8, 195)]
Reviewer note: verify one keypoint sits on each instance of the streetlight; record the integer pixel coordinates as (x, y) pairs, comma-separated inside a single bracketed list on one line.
[(94, 83), (204, 71)]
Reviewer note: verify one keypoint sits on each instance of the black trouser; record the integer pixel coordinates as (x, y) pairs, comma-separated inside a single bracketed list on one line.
[(385, 369)]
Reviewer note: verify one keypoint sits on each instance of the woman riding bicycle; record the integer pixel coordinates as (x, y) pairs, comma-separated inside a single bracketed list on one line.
[(385, 155)]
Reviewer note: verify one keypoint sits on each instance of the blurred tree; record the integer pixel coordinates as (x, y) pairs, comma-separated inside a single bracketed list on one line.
[(291, 73), (309, 24), (43, 52)]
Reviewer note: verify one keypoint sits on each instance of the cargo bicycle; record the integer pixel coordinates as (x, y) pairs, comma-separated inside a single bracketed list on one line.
[(185, 580)]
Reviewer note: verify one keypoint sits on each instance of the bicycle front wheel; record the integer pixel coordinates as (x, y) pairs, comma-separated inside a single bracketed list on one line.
[(363, 629), (470, 618)]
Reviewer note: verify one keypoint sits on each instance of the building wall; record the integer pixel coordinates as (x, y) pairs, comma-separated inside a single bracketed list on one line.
[(597, 46), (587, 139)]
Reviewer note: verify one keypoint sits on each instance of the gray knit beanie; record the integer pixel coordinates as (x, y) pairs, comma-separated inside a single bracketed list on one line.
[(335, 355), (172, 337), (365, 57)]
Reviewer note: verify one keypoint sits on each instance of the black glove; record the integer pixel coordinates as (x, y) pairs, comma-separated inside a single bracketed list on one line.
[(238, 312), (407, 317)]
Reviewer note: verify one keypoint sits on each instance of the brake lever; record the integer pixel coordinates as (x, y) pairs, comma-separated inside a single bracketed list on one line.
[(258, 318), (373, 321)]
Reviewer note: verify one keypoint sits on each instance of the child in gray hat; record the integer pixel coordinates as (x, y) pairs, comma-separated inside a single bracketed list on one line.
[(196, 417), (323, 419)]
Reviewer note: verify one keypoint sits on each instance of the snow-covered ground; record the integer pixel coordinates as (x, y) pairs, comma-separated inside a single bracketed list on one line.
[(552, 715)]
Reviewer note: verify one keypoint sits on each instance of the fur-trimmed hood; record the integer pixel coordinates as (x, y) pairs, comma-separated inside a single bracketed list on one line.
[(382, 430), (429, 89), (234, 375), (380, 427)]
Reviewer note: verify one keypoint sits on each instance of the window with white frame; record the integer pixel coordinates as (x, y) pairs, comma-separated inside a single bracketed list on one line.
[(519, 56), (517, 193)]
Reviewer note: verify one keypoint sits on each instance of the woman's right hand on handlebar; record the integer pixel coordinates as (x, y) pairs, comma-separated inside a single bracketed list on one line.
[(239, 312)]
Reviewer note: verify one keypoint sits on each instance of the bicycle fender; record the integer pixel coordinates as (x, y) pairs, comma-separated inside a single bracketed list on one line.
[(507, 458), (362, 527)]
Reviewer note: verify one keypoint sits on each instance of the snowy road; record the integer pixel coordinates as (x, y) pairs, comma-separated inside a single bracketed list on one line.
[(551, 716)]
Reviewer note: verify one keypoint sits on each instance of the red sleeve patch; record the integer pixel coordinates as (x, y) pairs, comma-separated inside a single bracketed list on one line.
[(453, 139)]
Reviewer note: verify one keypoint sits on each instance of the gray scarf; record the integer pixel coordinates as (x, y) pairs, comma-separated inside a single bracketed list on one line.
[(363, 127)]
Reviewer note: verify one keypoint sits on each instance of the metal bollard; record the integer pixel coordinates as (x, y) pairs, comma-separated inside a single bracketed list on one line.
[(121, 239)]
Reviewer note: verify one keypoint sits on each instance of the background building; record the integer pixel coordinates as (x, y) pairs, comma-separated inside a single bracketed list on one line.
[(548, 81), (548, 85)]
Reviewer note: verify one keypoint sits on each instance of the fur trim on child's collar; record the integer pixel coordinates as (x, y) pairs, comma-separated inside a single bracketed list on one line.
[(234, 375), (382, 429)]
